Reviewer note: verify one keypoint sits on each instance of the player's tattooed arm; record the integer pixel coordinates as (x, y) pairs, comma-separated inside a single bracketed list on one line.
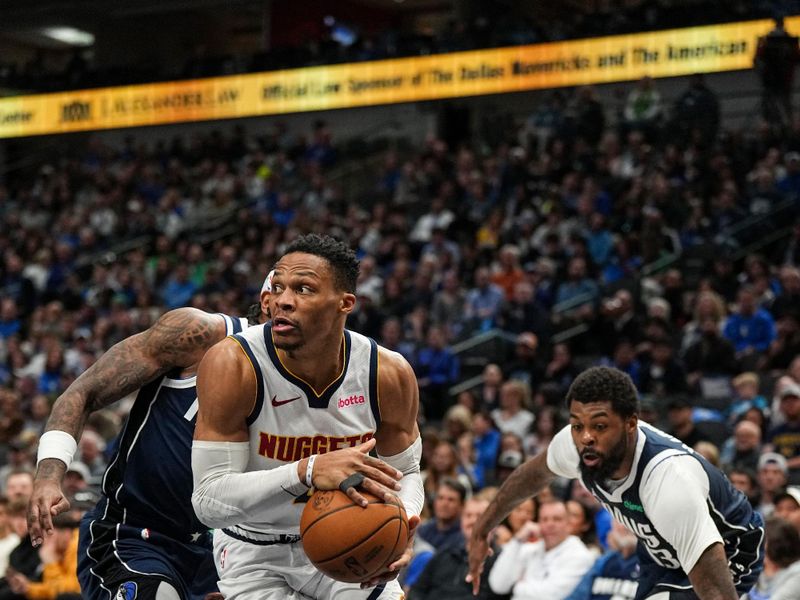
[(711, 576), (178, 339)]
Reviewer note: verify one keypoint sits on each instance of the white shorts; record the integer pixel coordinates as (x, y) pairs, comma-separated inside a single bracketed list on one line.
[(250, 571)]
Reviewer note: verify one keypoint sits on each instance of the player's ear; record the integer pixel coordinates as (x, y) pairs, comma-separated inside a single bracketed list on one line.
[(347, 303), (265, 302), (633, 422)]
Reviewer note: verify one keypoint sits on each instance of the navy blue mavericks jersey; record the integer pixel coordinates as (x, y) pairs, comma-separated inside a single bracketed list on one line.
[(740, 527), (149, 479), (678, 505)]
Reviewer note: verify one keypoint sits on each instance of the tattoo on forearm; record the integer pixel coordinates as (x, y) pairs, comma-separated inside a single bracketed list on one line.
[(177, 339)]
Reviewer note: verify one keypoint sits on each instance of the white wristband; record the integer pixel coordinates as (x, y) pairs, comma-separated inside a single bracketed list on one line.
[(57, 444), (310, 470)]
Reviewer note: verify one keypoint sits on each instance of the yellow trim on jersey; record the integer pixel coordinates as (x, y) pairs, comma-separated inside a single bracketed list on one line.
[(311, 387), (252, 366)]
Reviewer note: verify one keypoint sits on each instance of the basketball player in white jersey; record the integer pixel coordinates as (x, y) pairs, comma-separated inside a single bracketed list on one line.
[(296, 403)]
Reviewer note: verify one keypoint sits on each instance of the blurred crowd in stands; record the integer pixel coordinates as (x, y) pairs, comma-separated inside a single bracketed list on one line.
[(489, 25), (643, 236)]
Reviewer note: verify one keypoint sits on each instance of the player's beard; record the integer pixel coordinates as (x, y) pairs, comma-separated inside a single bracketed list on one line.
[(290, 345), (609, 462)]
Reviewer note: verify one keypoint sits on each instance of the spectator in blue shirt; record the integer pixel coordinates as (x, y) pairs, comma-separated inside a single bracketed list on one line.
[(486, 440), (10, 323), (484, 302), (437, 369), (750, 329), (445, 526), (179, 289)]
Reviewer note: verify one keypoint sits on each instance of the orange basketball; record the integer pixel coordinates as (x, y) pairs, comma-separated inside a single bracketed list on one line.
[(350, 543)]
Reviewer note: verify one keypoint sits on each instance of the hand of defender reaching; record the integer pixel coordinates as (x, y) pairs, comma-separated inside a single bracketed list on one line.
[(333, 469)]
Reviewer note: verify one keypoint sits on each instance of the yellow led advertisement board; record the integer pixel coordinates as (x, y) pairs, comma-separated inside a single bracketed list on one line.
[(670, 53)]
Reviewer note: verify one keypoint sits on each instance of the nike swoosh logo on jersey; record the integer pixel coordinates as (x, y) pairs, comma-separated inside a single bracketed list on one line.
[(282, 402)]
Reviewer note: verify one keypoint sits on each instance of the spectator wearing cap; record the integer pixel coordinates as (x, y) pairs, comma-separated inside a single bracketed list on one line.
[(749, 328), (507, 461), (91, 448), (772, 474), (76, 479), (787, 505), (785, 438)]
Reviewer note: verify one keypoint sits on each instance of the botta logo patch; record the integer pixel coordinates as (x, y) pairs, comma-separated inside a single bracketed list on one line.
[(353, 400)]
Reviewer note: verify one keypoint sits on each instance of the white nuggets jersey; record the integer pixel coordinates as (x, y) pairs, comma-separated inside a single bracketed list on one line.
[(290, 421)]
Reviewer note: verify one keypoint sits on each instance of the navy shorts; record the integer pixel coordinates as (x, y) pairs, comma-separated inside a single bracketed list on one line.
[(116, 560)]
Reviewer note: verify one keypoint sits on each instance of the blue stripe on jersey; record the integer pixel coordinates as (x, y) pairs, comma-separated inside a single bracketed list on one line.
[(237, 326), (314, 400), (376, 592), (373, 382), (232, 324), (259, 378)]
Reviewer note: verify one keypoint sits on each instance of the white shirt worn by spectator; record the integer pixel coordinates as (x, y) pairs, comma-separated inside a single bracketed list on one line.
[(518, 424), (7, 544), (530, 572)]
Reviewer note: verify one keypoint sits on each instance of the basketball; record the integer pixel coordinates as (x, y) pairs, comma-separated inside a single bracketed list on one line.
[(350, 543)]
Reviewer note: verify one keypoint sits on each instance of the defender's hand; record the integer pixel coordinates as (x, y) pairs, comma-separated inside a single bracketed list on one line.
[(47, 501), (478, 547)]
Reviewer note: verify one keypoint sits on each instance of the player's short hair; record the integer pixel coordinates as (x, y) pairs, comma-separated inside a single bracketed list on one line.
[(605, 384), (340, 257)]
